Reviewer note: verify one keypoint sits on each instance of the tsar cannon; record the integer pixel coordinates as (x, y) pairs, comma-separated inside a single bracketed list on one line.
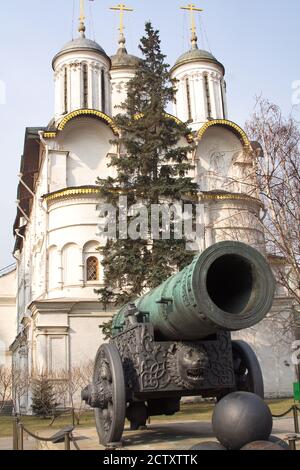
[(175, 341)]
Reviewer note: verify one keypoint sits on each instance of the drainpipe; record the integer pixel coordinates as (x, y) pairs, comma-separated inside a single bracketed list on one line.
[(17, 232), (46, 147), (20, 176)]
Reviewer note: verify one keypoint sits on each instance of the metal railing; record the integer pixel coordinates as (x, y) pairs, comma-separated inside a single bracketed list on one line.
[(292, 439), (295, 409), (65, 435)]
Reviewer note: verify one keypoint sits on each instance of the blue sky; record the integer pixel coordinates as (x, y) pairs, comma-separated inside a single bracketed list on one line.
[(257, 41)]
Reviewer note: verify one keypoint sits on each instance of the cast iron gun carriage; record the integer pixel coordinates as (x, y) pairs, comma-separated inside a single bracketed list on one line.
[(175, 341)]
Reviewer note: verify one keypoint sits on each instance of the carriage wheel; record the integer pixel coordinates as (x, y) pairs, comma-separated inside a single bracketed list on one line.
[(247, 370), (109, 381)]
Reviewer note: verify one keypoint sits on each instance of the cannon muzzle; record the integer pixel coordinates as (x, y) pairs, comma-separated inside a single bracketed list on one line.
[(230, 286)]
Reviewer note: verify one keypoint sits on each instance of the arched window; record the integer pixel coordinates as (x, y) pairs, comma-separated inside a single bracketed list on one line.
[(223, 99), (188, 97), (65, 90), (103, 91), (91, 262), (207, 94), (85, 80), (92, 269)]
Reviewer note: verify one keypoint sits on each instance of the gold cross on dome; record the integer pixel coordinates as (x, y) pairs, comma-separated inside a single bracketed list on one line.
[(192, 9), (82, 17), (121, 8), (81, 27)]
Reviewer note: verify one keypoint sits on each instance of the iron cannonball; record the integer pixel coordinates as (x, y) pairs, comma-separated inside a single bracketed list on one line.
[(209, 445), (262, 445), (241, 418)]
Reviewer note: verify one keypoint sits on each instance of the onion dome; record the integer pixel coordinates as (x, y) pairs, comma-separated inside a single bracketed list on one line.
[(196, 55), (81, 44), (123, 60)]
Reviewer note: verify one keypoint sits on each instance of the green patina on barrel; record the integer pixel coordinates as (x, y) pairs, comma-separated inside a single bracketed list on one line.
[(229, 286)]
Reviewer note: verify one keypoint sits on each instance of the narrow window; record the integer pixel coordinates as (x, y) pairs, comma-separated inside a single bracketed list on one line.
[(208, 103), (188, 96), (65, 90), (103, 91), (92, 269), (223, 100), (85, 103)]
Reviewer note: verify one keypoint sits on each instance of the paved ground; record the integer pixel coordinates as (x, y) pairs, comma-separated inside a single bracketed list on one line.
[(158, 436), (171, 436), (167, 436), (6, 444)]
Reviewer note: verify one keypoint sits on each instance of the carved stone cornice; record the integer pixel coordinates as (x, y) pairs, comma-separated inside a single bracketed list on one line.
[(73, 193), (51, 330), (230, 197), (64, 306)]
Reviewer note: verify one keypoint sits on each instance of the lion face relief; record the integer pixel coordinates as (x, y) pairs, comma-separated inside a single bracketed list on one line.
[(187, 363)]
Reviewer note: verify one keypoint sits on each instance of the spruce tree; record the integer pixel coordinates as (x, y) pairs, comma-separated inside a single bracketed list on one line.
[(43, 398), (152, 167)]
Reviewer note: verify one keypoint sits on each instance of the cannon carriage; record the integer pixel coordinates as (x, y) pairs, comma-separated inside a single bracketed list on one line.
[(175, 341)]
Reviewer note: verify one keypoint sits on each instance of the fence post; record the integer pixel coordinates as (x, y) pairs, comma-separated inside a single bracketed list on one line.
[(296, 422), (73, 417), (67, 441), (15, 432), (292, 438), (21, 436)]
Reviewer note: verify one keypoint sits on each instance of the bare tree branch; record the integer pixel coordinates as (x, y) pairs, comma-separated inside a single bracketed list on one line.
[(278, 176)]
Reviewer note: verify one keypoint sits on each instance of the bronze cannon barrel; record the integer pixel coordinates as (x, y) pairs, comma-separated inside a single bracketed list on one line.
[(230, 286)]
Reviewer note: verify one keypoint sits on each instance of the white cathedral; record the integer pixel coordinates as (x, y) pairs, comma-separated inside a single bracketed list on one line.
[(49, 312)]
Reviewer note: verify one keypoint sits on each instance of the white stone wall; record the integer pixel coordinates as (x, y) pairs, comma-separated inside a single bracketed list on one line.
[(226, 173), (84, 148), (58, 311), (72, 238), (119, 82), (234, 220), (32, 260), (272, 340), (223, 164), (85, 342), (77, 158), (65, 335)]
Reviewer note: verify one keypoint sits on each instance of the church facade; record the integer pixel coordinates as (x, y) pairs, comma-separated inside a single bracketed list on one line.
[(58, 263)]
